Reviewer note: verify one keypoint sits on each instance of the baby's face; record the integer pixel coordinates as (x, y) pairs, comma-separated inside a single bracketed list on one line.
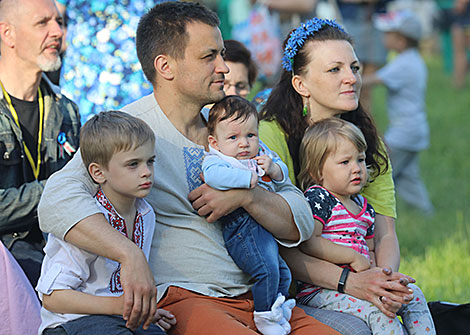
[(237, 138)]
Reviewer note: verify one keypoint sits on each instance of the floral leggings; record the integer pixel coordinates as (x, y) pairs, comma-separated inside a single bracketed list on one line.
[(415, 315)]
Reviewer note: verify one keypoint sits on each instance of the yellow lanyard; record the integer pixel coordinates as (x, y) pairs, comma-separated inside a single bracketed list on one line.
[(34, 166)]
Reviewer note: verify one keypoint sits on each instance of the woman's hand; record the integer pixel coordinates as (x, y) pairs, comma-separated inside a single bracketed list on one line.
[(385, 289)]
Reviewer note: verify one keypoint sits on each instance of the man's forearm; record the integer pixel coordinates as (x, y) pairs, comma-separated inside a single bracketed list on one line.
[(272, 212), (94, 234)]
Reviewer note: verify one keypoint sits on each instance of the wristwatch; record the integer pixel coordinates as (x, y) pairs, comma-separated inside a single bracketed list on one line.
[(342, 280)]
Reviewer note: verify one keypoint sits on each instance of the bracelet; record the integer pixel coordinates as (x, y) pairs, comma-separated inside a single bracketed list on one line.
[(342, 280)]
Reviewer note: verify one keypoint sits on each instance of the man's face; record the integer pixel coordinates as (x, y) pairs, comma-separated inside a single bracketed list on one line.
[(199, 76), (37, 32)]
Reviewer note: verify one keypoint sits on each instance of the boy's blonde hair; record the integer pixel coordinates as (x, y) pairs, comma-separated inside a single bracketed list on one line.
[(109, 132), (319, 140)]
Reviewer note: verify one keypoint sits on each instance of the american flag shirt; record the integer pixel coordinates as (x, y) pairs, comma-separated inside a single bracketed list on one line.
[(339, 225)]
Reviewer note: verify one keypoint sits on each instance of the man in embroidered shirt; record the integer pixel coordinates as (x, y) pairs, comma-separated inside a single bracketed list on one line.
[(119, 151), (33, 114), (180, 49)]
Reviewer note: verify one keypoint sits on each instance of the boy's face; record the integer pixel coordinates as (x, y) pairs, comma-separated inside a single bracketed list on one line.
[(129, 174), (236, 138), (394, 41)]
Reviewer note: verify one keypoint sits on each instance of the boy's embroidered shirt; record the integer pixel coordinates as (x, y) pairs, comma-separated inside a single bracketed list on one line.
[(118, 223), (66, 266), (339, 225)]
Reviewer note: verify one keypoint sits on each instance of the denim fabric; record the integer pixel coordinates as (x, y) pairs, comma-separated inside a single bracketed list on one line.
[(100, 325), (256, 253)]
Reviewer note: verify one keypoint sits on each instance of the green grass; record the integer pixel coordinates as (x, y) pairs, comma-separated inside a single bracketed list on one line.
[(436, 250)]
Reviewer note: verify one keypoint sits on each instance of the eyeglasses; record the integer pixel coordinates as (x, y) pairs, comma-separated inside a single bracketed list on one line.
[(241, 88)]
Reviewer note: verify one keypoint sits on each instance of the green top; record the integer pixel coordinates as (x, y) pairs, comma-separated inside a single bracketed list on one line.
[(380, 193)]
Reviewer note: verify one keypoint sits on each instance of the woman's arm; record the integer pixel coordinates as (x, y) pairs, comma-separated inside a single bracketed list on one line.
[(387, 250)]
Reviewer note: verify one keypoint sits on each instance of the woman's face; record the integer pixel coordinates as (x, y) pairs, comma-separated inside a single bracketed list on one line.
[(332, 80), (236, 81)]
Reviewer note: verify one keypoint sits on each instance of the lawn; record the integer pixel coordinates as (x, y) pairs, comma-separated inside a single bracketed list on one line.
[(436, 250)]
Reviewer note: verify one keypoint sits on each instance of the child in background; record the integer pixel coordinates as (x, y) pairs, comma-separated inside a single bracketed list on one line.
[(236, 159), (333, 172), (75, 285), (405, 78)]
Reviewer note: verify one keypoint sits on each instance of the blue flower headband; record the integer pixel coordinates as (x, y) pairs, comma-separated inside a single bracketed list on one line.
[(299, 36)]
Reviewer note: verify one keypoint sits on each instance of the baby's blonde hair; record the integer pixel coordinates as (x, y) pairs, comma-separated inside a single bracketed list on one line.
[(109, 132), (319, 140)]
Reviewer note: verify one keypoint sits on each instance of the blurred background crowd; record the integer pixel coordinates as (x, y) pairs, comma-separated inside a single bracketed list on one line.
[(101, 70)]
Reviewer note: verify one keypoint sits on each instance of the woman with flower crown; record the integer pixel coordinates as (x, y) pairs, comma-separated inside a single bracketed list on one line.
[(321, 79)]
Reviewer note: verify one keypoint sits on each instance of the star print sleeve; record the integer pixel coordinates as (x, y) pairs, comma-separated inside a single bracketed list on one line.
[(318, 198), (371, 230)]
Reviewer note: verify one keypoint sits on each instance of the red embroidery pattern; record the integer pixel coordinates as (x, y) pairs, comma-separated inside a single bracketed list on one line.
[(119, 224)]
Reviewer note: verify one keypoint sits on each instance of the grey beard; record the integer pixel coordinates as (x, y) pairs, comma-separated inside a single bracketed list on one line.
[(49, 66)]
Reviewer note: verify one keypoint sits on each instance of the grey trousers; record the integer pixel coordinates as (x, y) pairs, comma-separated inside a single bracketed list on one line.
[(408, 183), (343, 323)]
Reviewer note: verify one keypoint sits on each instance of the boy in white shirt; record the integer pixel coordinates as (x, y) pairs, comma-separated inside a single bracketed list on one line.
[(405, 78), (81, 292)]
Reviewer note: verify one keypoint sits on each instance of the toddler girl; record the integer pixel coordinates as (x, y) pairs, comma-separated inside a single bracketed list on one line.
[(333, 170)]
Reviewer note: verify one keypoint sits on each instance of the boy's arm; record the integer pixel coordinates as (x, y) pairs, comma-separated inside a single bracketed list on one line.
[(273, 165), (76, 302), (322, 248), (222, 176), (371, 80), (271, 168)]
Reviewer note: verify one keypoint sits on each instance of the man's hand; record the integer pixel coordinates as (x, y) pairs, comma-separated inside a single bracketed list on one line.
[(214, 203), (140, 292)]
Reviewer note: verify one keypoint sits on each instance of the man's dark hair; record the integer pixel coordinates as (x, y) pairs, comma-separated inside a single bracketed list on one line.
[(162, 31), (236, 52), (232, 106)]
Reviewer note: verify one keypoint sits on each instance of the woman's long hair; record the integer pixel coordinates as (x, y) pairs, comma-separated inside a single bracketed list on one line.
[(285, 105)]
